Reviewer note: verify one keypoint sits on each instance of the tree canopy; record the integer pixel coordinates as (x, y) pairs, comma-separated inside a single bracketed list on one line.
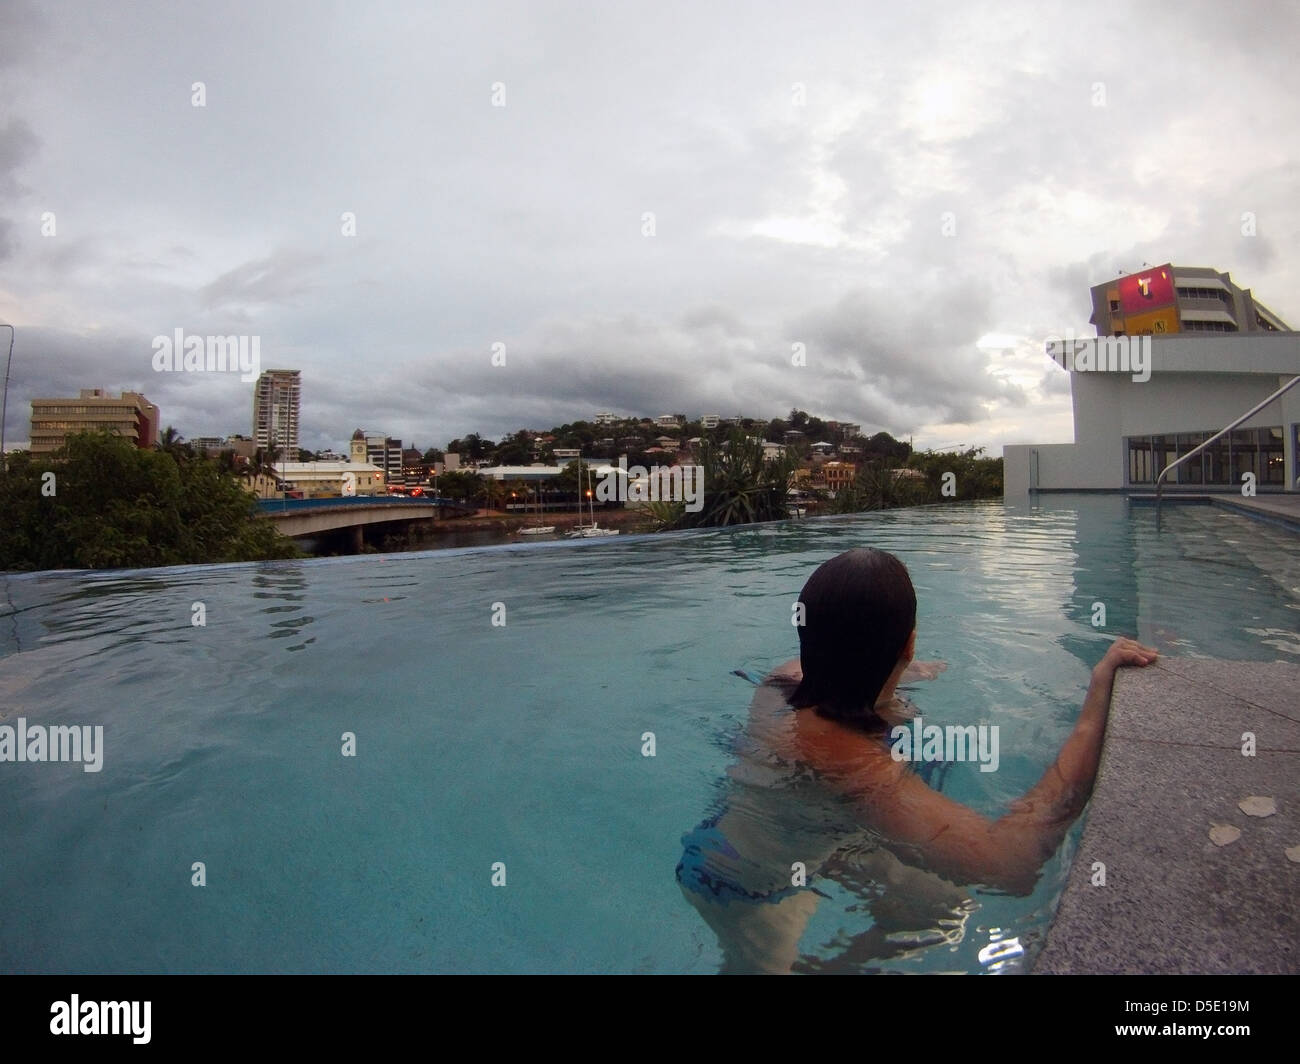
[(103, 503)]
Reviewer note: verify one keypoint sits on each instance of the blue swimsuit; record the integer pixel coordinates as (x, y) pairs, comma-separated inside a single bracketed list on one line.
[(712, 867), (697, 870)]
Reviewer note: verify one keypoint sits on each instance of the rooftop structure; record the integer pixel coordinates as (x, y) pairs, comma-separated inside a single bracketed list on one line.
[(1170, 299), (277, 398), (1165, 374), (130, 416)]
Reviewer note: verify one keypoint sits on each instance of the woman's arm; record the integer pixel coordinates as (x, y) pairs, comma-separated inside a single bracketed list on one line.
[(964, 846)]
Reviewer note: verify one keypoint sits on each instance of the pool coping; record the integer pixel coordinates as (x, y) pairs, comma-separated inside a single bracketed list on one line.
[(1281, 509), (1149, 892)]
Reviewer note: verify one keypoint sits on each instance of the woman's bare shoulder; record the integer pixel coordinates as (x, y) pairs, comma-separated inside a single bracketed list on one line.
[(790, 672)]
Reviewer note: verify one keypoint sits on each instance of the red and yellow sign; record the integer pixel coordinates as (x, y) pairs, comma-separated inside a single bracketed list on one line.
[(1155, 322), (1148, 290)]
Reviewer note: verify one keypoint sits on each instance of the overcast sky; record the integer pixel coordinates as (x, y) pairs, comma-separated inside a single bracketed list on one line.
[(799, 161)]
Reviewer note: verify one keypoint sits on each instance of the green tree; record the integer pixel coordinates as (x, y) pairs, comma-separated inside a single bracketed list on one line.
[(883, 445), (973, 476), (104, 503), (459, 484), (173, 443), (514, 450), (473, 447), (566, 481), (878, 486), (490, 491), (739, 486)]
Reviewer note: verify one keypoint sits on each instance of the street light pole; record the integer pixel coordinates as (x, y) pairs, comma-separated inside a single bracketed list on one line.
[(4, 403)]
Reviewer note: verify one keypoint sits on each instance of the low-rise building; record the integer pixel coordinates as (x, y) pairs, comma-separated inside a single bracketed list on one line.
[(130, 416), (839, 475), (245, 447), (326, 479), (261, 484), (809, 477)]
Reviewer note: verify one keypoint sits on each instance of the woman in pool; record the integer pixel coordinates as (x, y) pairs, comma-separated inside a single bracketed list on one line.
[(815, 778)]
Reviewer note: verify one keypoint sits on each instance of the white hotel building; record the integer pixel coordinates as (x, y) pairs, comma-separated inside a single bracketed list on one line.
[(1211, 353)]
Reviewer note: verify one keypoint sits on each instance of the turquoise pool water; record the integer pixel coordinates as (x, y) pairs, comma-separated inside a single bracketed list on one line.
[(522, 744)]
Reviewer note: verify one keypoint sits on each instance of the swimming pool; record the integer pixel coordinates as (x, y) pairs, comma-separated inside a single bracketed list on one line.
[(522, 743)]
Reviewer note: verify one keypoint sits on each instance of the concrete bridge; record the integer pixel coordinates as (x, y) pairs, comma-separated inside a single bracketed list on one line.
[(301, 518)]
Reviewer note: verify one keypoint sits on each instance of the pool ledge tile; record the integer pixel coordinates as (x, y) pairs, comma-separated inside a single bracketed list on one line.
[(1172, 767)]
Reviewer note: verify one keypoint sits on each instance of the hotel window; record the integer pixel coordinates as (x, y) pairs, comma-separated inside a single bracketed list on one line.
[(1193, 470), (1221, 464), (1205, 293), (1139, 460), (1165, 450), (1272, 455), (1245, 454), (1216, 462)]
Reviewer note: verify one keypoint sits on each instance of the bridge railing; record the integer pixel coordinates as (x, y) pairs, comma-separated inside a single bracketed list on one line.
[(277, 506)]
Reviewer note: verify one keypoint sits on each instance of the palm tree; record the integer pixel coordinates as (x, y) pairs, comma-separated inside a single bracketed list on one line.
[(490, 490), (876, 487), (740, 486), (173, 443)]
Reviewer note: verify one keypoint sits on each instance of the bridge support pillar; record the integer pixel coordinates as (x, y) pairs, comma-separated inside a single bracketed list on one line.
[(358, 539)]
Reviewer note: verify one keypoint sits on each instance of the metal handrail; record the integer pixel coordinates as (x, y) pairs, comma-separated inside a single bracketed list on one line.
[(1222, 432)]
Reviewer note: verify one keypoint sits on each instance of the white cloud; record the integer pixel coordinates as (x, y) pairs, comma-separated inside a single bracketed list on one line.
[(777, 220)]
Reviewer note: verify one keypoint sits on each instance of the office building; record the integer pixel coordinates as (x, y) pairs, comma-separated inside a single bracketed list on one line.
[(277, 397), (1172, 299), (130, 416)]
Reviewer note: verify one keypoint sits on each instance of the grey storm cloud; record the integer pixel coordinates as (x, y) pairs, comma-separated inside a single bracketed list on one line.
[(278, 278), (669, 199), (17, 143), (922, 358)]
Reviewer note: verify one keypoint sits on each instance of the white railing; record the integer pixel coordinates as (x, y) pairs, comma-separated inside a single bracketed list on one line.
[(1219, 435)]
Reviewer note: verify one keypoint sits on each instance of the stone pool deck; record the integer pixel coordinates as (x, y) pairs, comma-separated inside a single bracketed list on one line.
[(1172, 768)]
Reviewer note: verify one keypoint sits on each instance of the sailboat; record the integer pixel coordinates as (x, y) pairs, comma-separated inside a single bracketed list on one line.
[(592, 530), (538, 530)]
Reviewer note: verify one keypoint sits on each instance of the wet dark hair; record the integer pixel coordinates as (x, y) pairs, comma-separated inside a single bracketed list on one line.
[(859, 610)]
